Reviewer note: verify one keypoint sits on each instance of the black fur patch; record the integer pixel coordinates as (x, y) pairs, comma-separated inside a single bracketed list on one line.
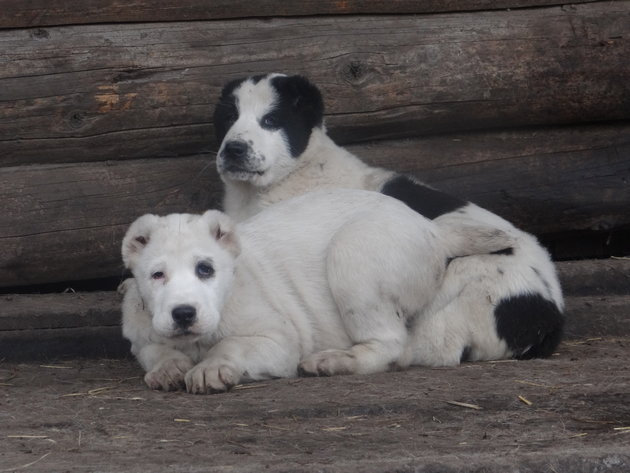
[(299, 109), (505, 251), (428, 202), (466, 353), (530, 325), (226, 112)]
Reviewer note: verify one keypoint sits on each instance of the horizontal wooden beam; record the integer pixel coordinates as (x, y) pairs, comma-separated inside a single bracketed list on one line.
[(545, 181), (129, 91), (41, 326), (20, 14), (65, 222)]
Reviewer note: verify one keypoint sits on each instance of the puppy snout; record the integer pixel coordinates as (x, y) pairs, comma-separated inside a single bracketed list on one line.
[(235, 150), (184, 315)]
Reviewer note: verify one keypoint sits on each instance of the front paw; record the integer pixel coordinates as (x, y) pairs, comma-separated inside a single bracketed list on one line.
[(210, 377), (168, 375), (328, 363)]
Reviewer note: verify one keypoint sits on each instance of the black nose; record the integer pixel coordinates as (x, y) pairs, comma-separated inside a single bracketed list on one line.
[(235, 150), (184, 315)]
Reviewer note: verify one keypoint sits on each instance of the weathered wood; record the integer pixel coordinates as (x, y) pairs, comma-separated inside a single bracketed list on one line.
[(46, 344), (18, 14), (592, 278), (597, 316), (75, 328), (97, 415), (544, 181), (20, 312), (130, 91), (65, 222), (43, 326)]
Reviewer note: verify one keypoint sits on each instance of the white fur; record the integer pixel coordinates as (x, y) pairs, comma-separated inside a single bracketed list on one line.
[(483, 280), (336, 282)]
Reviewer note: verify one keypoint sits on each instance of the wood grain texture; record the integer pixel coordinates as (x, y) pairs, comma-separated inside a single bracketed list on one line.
[(20, 312), (65, 222), (20, 14), (67, 310), (113, 92), (545, 181)]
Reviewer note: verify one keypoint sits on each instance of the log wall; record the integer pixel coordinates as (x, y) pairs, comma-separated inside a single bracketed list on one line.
[(525, 111)]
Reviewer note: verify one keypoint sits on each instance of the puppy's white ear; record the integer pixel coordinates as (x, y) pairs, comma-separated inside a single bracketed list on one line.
[(137, 237), (222, 229)]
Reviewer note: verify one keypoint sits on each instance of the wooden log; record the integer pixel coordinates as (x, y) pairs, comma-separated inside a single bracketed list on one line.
[(91, 93), (65, 222), (42, 326), (545, 181), (45, 344), (18, 14), (59, 311)]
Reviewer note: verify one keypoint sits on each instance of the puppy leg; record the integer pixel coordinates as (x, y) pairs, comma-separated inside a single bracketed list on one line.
[(238, 359), (377, 352), (382, 270), (165, 366), (460, 324)]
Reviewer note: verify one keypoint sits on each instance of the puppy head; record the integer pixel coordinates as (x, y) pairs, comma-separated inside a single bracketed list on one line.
[(264, 124), (184, 267)]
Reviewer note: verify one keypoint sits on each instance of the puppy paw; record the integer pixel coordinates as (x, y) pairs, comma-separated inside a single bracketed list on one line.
[(169, 374), (328, 363), (210, 377)]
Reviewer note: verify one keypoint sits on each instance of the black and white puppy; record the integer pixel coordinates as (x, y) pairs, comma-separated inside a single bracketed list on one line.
[(274, 146)]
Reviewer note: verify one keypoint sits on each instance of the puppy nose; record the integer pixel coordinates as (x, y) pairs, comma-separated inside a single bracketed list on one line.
[(235, 149), (184, 315)]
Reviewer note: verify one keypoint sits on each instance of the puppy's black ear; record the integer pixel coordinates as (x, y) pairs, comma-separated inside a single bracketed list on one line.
[(225, 111), (137, 237), (305, 98), (222, 230)]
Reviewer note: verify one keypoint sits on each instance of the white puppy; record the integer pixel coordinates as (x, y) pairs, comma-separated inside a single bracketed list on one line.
[(334, 282), (274, 146)]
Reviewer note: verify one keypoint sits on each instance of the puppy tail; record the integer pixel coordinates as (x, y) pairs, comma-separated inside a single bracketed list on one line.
[(464, 239)]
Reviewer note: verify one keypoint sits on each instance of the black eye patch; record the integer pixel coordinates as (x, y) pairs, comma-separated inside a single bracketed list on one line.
[(204, 270), (271, 121), (298, 109), (226, 111)]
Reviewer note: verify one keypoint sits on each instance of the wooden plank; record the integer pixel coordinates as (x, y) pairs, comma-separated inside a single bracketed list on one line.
[(20, 14), (584, 279), (90, 93), (98, 415), (597, 316), (46, 344), (54, 311), (65, 222), (94, 330), (44, 326), (545, 181), (595, 278)]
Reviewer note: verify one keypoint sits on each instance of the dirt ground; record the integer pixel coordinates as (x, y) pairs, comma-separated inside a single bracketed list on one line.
[(570, 413)]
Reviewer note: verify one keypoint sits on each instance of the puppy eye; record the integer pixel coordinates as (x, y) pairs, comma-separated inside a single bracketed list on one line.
[(157, 275), (270, 121), (204, 270)]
